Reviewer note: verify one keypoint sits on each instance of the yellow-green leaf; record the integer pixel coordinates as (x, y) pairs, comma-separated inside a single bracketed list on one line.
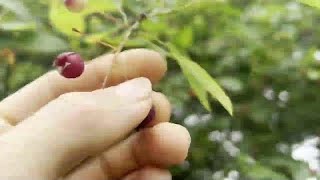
[(200, 92), (64, 20), (201, 80), (313, 3), (184, 38), (96, 37)]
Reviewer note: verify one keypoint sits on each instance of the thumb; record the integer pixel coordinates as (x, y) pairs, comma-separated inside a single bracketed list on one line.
[(72, 128)]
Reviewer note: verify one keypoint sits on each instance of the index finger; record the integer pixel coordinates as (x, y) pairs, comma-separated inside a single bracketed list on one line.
[(128, 65)]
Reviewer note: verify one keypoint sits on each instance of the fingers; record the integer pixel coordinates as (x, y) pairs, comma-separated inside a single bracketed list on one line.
[(162, 110), (160, 104), (73, 127), (129, 64), (148, 173), (163, 145), (92, 169)]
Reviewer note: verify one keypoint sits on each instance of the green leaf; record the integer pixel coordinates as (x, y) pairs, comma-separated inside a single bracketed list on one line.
[(184, 38), (255, 170), (198, 90), (64, 20), (200, 80), (312, 3), (263, 173), (96, 37), (23, 73), (46, 43)]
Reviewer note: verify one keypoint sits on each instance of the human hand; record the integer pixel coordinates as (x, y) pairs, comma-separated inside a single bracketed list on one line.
[(71, 129)]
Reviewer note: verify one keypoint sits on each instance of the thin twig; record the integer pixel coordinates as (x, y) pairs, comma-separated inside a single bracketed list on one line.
[(99, 41), (119, 49), (123, 14), (111, 18)]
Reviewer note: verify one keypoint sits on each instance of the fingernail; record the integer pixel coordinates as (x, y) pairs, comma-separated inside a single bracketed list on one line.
[(148, 119), (135, 89)]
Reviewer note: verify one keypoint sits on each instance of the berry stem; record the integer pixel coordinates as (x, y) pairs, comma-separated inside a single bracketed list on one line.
[(100, 42), (119, 49), (123, 14)]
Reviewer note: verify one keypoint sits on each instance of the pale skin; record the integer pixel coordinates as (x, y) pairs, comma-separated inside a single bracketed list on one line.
[(62, 129)]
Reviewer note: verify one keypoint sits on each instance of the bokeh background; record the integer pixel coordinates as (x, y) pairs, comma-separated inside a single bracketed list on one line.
[(264, 53)]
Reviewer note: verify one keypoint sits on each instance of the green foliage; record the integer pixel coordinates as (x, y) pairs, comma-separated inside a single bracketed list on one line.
[(257, 171), (313, 3), (200, 81), (264, 54), (16, 7), (64, 20)]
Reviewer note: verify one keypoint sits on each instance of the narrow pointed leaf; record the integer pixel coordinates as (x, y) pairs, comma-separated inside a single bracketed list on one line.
[(201, 80)]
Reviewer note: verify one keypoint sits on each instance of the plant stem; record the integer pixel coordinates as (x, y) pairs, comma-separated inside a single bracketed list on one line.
[(100, 42), (123, 14), (119, 49)]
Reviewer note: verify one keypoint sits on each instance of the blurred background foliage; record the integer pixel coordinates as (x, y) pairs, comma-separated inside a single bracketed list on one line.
[(264, 53)]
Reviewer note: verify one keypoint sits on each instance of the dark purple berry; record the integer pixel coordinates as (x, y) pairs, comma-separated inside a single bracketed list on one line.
[(148, 119), (69, 64), (75, 5)]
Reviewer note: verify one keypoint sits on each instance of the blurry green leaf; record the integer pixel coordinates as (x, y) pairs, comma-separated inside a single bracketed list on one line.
[(23, 73), (94, 6), (17, 7), (301, 172), (184, 38), (254, 170), (312, 3), (94, 38), (155, 27), (64, 20), (195, 73), (198, 90), (313, 74), (259, 172), (17, 26), (46, 43)]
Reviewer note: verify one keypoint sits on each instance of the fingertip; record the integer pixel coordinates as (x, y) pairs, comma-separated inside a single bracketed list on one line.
[(154, 65), (174, 139), (138, 63), (165, 144), (162, 109)]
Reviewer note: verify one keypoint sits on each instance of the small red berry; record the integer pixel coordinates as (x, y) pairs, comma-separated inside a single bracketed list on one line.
[(75, 5), (148, 119), (69, 64)]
